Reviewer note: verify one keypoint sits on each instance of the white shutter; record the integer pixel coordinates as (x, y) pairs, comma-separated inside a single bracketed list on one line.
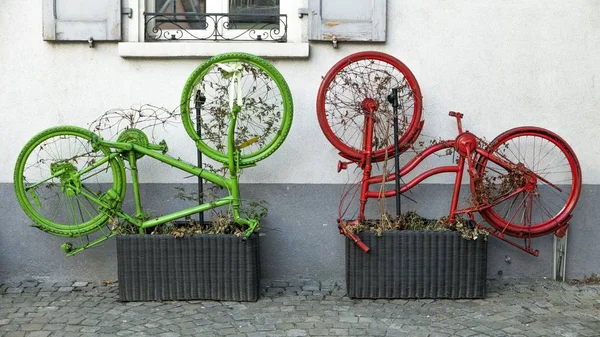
[(79, 20), (358, 20)]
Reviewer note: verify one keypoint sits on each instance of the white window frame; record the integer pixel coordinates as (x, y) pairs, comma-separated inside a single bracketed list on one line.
[(136, 47)]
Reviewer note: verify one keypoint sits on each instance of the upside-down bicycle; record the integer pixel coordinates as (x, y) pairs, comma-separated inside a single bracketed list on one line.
[(525, 183), (71, 182)]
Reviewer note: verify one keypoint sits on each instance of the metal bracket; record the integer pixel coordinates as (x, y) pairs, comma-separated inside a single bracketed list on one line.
[(302, 12), (127, 11), (560, 257), (91, 42)]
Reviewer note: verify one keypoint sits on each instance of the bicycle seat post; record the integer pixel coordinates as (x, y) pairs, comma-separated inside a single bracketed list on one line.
[(458, 116), (198, 103)]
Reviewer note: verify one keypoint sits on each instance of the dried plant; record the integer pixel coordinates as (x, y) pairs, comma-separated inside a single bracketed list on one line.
[(146, 117), (414, 222), (587, 279)]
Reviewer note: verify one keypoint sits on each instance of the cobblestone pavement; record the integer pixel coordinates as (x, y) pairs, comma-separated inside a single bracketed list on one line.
[(301, 308)]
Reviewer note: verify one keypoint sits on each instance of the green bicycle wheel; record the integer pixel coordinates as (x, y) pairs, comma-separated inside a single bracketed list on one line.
[(266, 107), (53, 190)]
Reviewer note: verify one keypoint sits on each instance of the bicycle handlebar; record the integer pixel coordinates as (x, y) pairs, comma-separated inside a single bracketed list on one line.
[(362, 246), (357, 241)]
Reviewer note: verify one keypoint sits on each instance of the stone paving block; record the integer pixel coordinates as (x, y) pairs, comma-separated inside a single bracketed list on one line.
[(79, 284), (32, 327), (374, 332), (466, 333), (225, 332), (296, 333), (72, 327), (40, 333), (341, 325), (349, 319), (338, 332), (257, 334), (9, 327), (169, 334), (14, 334)]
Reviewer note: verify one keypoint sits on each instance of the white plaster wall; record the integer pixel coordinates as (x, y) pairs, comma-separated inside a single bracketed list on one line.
[(503, 63)]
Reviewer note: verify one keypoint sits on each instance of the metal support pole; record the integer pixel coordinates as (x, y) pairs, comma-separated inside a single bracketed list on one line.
[(200, 99), (393, 98), (560, 257)]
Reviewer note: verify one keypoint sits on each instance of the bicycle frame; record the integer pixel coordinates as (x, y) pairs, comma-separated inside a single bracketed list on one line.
[(157, 151), (468, 150)]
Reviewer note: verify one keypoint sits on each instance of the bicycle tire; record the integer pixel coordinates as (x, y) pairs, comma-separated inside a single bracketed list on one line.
[(43, 153), (330, 98), (214, 143), (553, 161)]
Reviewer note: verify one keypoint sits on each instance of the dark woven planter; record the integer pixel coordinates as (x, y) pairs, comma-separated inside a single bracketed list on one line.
[(203, 266), (412, 264)]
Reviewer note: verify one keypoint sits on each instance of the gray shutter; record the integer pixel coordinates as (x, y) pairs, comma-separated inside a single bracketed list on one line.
[(358, 20), (79, 20)]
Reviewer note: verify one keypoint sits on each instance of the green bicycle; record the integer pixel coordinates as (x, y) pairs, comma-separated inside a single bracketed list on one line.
[(72, 183)]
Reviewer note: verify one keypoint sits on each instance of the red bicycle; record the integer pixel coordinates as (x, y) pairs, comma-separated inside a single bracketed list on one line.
[(525, 183)]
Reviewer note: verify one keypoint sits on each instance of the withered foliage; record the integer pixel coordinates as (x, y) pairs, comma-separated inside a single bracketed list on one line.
[(414, 222), (591, 279), (146, 117)]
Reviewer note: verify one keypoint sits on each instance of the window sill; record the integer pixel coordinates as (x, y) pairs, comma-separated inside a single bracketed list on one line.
[(208, 49)]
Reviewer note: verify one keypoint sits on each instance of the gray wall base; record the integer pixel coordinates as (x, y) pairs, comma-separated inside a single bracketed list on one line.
[(299, 238)]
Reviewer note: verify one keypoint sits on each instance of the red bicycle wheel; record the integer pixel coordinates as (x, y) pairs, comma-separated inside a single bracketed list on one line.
[(364, 76), (545, 165)]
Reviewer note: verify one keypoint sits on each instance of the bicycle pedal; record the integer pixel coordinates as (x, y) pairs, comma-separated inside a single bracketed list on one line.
[(248, 143), (66, 247)]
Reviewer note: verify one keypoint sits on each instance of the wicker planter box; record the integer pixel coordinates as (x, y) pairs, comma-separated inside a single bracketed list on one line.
[(162, 267), (412, 264)]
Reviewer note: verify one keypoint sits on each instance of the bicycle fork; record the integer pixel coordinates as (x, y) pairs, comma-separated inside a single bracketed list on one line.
[(233, 156), (369, 105)]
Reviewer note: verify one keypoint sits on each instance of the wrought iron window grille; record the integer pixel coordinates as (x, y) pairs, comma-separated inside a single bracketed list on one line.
[(215, 27)]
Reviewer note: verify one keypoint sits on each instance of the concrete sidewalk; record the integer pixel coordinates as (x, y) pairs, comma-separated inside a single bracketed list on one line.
[(301, 308)]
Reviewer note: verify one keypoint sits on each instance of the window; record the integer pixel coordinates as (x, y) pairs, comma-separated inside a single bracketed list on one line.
[(231, 20), (204, 28)]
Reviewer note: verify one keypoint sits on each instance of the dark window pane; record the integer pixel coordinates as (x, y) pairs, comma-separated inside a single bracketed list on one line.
[(180, 6), (243, 14), (169, 7)]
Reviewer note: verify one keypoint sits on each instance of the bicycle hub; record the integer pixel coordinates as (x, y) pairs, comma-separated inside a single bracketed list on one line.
[(370, 104)]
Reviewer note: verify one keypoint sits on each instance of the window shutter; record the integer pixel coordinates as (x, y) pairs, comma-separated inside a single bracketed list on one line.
[(79, 20), (363, 20)]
